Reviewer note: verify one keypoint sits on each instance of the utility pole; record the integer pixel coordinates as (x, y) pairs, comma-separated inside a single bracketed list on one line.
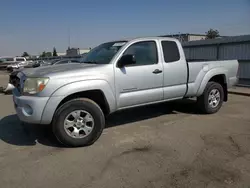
[(69, 37)]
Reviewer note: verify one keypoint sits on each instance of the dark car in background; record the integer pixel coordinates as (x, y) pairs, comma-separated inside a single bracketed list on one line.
[(37, 63)]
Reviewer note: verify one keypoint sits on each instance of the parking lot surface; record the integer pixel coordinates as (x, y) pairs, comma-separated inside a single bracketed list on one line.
[(166, 145), (4, 78)]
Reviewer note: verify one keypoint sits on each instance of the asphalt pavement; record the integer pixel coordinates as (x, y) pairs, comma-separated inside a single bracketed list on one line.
[(4, 79), (166, 145)]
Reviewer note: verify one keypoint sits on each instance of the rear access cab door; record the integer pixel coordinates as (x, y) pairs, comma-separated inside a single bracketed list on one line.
[(175, 69)]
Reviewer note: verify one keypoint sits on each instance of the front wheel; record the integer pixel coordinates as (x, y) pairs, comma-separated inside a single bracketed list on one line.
[(78, 122), (212, 98)]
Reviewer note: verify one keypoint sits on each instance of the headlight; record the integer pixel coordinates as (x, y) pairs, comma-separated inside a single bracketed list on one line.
[(34, 85)]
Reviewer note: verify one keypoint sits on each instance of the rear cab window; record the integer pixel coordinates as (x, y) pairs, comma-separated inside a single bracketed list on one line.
[(170, 51)]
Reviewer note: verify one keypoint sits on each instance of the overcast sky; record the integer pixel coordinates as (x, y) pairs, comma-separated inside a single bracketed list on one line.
[(36, 26)]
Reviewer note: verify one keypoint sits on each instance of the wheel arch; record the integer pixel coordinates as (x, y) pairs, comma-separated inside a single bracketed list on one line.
[(97, 90), (96, 95), (218, 76), (221, 79)]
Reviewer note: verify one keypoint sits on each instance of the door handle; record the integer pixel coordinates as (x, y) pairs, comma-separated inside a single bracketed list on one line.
[(157, 71)]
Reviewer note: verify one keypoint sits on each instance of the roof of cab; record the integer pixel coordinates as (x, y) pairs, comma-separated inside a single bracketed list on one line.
[(145, 38)]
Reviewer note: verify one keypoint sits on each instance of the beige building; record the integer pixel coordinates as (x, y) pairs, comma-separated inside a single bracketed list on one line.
[(76, 51)]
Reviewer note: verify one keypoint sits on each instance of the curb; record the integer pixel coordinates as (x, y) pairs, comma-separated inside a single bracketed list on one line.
[(239, 93)]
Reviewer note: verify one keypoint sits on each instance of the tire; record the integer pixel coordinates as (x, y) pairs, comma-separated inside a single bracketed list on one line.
[(203, 100), (84, 105)]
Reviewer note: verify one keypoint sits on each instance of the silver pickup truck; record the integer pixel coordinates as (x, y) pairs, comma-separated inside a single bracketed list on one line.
[(75, 98)]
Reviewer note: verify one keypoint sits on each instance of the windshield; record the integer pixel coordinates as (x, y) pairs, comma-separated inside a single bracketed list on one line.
[(103, 53)]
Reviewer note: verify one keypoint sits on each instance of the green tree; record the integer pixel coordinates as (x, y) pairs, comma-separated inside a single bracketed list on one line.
[(212, 34), (25, 54), (43, 54), (46, 54), (54, 52)]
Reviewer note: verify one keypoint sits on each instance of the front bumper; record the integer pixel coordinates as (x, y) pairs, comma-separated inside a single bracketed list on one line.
[(29, 109)]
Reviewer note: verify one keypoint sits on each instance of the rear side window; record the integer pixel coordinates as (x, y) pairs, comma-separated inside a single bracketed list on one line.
[(170, 51)]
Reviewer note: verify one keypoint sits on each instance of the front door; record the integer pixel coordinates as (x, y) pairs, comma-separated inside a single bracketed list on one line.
[(142, 82)]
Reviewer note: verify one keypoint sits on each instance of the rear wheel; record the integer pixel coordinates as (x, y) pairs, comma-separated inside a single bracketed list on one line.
[(212, 98), (78, 122)]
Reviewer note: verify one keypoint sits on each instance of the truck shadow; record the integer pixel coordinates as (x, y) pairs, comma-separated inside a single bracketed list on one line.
[(147, 112), (13, 132)]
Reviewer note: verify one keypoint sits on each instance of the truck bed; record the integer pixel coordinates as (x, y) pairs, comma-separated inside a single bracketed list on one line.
[(197, 71)]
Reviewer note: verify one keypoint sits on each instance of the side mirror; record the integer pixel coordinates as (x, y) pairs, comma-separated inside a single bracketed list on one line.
[(126, 60)]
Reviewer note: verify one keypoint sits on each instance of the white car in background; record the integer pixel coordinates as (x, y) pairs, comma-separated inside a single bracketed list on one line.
[(13, 62), (18, 62)]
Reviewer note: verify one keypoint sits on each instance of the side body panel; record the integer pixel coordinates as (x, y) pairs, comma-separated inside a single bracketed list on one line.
[(76, 87), (201, 72), (87, 77)]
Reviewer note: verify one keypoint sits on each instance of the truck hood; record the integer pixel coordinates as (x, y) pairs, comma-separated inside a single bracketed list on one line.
[(54, 70)]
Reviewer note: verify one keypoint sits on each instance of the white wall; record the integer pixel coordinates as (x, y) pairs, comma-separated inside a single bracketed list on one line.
[(84, 51), (195, 37)]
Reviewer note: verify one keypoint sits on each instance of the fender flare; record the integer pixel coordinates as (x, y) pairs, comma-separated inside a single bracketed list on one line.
[(210, 74), (87, 85)]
